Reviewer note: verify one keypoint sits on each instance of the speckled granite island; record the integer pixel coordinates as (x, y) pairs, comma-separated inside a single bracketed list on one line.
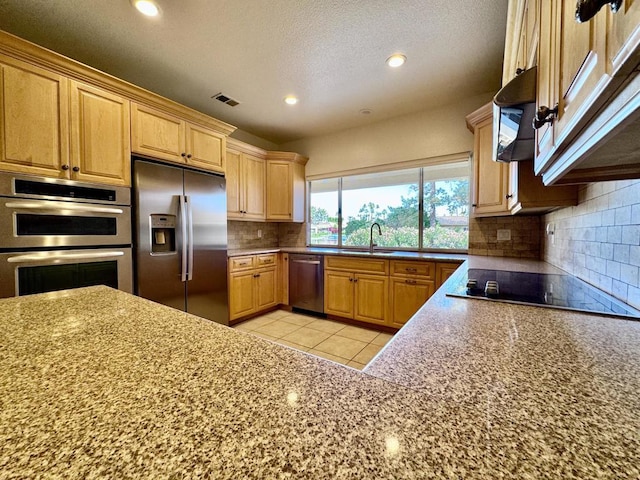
[(96, 383)]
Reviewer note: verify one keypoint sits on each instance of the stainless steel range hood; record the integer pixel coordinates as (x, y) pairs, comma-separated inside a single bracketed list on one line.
[(514, 107)]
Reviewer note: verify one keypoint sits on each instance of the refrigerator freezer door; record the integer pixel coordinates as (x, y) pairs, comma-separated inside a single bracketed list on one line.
[(158, 190), (207, 209)]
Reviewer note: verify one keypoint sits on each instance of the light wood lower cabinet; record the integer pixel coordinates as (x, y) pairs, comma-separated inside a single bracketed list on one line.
[(382, 292), (253, 284), (407, 295), (411, 284), (357, 289)]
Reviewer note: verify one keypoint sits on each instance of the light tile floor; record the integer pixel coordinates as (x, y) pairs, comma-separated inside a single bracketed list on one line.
[(339, 342)]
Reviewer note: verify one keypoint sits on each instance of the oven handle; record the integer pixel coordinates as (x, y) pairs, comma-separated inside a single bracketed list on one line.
[(183, 226), (41, 257), (190, 243), (46, 205)]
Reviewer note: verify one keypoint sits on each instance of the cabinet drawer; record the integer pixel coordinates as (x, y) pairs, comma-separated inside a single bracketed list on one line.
[(265, 260), (422, 269), (237, 264), (353, 264)]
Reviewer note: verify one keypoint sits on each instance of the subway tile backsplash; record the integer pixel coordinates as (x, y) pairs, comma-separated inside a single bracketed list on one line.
[(599, 239)]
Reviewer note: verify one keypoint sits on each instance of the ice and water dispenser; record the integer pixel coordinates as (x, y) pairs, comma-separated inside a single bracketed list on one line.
[(163, 234)]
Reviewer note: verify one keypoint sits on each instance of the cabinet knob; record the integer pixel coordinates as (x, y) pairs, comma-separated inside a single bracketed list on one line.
[(508, 196), (474, 205), (544, 115), (350, 279), (183, 154), (65, 167), (76, 169), (189, 155), (587, 9)]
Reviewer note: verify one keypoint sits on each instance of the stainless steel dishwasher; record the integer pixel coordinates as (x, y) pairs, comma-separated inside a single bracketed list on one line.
[(306, 282)]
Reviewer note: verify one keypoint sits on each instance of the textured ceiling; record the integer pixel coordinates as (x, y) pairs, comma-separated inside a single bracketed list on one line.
[(330, 53)]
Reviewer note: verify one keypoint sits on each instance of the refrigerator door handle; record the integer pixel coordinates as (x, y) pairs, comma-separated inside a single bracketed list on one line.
[(185, 239), (190, 237)]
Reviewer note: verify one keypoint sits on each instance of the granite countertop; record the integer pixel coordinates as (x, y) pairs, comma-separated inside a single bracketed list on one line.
[(378, 253), (96, 383)]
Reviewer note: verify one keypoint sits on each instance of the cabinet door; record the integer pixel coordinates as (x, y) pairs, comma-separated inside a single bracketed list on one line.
[(279, 190), (254, 176), (581, 63), (241, 294), (407, 295), (266, 289), (546, 92), (234, 187), (338, 293), (34, 120), (100, 136), (205, 148), (622, 37), (444, 271), (157, 134), (371, 298), (491, 178)]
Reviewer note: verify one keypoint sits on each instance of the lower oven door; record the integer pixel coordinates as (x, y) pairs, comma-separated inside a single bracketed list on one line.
[(25, 273)]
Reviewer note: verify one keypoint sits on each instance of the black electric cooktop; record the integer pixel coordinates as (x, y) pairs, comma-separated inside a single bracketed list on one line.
[(541, 289)]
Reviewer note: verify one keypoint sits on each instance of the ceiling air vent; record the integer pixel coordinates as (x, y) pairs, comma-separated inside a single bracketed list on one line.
[(224, 99)]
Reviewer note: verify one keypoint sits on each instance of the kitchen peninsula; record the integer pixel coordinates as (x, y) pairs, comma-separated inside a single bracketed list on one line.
[(97, 383)]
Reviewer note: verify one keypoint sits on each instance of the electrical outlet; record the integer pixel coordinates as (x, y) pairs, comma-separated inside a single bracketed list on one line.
[(550, 231), (259, 233), (504, 235)]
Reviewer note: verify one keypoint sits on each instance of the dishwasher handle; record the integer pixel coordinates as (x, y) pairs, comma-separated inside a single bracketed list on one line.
[(310, 262)]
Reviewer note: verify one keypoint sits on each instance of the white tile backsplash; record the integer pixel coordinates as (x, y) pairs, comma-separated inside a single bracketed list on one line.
[(599, 239)]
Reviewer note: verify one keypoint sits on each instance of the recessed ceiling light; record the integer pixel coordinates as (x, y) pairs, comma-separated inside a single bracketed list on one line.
[(365, 111), (147, 7), (396, 60), (290, 100)]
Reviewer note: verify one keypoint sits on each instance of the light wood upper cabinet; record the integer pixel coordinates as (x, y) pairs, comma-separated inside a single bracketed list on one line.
[(246, 182), (587, 70), (34, 120), (285, 187), (254, 175), (490, 179), (206, 147), (61, 128), (167, 137), (623, 36), (157, 134), (100, 136), (508, 188)]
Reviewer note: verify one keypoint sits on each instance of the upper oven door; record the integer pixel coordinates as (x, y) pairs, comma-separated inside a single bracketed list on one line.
[(27, 223)]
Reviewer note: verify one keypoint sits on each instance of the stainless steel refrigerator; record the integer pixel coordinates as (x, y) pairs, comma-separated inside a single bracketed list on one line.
[(181, 239)]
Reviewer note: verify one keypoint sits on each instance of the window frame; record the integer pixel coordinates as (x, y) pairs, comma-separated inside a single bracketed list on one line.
[(421, 165)]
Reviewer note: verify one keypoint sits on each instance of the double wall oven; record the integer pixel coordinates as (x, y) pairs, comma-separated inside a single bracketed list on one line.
[(58, 234)]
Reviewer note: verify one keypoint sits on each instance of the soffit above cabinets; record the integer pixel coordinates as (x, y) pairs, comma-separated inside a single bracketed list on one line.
[(331, 55)]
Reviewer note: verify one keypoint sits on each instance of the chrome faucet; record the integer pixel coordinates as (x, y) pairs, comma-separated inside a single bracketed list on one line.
[(371, 244)]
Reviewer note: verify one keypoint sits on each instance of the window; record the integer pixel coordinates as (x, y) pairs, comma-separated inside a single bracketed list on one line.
[(417, 208)]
